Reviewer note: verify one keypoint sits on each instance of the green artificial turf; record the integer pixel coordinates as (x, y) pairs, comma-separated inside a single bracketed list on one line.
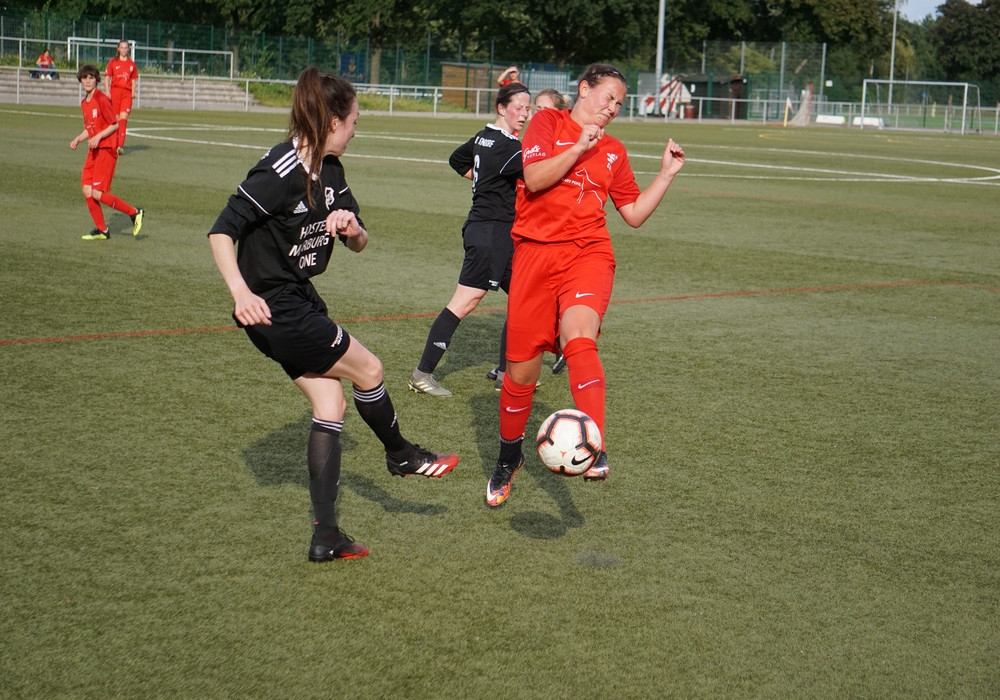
[(803, 431)]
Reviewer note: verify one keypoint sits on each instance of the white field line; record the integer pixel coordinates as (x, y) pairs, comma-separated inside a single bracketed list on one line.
[(821, 174), (801, 173)]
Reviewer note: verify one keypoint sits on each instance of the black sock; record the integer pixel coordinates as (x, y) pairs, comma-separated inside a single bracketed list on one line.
[(323, 456), (376, 410), (438, 338), (510, 450), (503, 347)]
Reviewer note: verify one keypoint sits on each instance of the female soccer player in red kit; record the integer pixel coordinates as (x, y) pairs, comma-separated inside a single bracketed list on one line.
[(564, 264), (99, 127), (119, 82)]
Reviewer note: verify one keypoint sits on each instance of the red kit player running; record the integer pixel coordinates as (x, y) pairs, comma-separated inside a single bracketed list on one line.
[(119, 82), (99, 127)]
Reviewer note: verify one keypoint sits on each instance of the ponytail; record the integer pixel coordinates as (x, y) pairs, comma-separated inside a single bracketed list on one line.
[(318, 98)]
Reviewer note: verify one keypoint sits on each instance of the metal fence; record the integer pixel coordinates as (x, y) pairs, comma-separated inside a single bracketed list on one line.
[(772, 73), (203, 92), (158, 48)]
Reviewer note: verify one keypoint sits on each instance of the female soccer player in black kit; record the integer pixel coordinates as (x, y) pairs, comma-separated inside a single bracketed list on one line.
[(492, 160), (285, 218)]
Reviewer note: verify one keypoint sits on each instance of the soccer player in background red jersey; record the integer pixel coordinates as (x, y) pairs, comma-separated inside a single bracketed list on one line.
[(119, 82), (99, 127), (564, 265)]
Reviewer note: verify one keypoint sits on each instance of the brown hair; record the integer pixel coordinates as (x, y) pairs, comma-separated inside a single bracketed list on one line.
[(507, 92), (597, 72), (560, 100), (317, 99), (88, 69)]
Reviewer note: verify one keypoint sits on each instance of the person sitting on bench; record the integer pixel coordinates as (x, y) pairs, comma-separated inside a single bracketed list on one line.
[(46, 67)]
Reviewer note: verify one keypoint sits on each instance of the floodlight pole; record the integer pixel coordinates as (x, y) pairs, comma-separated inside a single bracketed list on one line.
[(659, 56), (892, 54)]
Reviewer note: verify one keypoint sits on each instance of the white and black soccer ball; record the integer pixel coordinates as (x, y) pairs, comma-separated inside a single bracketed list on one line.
[(569, 442)]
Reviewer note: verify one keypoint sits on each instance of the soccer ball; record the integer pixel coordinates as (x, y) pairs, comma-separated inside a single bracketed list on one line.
[(568, 442)]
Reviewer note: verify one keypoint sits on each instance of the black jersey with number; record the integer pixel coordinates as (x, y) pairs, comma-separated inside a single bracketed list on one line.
[(494, 157), (281, 239)]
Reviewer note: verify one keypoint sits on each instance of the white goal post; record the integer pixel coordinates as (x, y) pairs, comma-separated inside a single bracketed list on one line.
[(921, 104), (75, 43)]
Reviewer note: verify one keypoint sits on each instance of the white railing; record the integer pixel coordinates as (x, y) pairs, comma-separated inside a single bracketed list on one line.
[(201, 92), (188, 57), (74, 43)]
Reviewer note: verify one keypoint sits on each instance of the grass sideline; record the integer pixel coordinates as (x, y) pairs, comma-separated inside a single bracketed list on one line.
[(803, 429)]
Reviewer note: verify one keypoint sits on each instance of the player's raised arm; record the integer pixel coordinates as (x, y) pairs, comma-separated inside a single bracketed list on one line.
[(636, 213)]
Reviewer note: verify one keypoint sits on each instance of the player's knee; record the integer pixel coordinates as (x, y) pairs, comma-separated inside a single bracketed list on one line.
[(330, 408), (524, 373), (372, 370)]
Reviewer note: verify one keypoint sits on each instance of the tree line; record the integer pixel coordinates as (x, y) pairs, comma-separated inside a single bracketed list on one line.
[(961, 43)]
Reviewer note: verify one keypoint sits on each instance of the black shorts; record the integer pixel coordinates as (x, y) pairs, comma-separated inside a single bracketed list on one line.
[(488, 253), (301, 338)]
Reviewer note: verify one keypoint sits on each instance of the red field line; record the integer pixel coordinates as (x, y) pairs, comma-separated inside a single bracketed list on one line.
[(396, 317), (102, 336), (761, 292)]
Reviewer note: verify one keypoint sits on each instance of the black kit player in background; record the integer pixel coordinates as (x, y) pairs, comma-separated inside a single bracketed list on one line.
[(492, 160), (284, 219)]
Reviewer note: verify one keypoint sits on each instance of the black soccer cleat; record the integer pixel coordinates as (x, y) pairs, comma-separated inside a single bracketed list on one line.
[(599, 471), (498, 487), (559, 364), (417, 460), (342, 548)]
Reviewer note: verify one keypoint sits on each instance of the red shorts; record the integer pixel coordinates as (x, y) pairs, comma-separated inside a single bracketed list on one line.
[(99, 168), (121, 101), (549, 278)]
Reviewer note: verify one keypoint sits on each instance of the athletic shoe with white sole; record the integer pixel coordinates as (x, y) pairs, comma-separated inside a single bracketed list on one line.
[(417, 460), (598, 472), (498, 487), (493, 373), (342, 548), (425, 383)]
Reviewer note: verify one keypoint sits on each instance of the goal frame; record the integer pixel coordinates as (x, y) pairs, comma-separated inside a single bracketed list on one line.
[(968, 115), (74, 43)]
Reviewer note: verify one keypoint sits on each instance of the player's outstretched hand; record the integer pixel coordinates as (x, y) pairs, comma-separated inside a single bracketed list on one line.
[(673, 159)]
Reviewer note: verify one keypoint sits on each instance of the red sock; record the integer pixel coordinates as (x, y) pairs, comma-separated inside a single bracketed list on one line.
[(96, 214), (117, 204), (586, 378), (121, 132), (515, 408)]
